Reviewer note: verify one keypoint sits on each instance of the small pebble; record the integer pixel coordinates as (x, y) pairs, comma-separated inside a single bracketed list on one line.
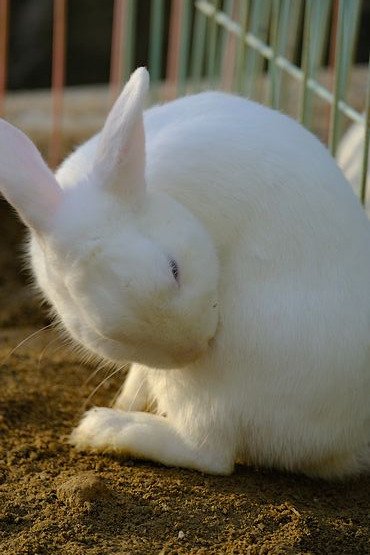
[(181, 535)]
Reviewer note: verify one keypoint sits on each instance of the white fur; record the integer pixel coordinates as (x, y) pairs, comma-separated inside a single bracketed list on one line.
[(260, 352)]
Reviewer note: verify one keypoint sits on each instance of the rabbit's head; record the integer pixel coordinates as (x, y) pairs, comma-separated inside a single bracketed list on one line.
[(131, 274)]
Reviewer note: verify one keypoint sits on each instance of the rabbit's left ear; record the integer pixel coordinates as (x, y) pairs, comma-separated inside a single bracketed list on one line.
[(26, 181), (120, 158)]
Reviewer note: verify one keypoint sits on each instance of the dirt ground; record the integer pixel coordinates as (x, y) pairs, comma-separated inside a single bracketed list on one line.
[(54, 500)]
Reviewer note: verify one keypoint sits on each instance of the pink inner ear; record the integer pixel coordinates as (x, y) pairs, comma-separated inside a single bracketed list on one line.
[(25, 180)]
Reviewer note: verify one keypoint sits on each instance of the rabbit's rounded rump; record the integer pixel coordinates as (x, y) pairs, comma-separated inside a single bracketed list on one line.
[(215, 244)]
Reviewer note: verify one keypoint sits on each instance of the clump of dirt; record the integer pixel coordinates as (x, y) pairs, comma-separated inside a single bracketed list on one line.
[(83, 488), (55, 500)]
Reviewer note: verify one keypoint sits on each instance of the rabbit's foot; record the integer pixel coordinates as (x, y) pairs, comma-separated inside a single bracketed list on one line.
[(147, 436)]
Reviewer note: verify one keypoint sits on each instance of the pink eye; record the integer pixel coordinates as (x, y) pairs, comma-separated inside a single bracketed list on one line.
[(174, 269)]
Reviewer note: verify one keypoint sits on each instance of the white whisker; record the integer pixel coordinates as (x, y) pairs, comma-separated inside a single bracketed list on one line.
[(45, 349), (100, 384), (34, 334), (116, 395), (138, 391)]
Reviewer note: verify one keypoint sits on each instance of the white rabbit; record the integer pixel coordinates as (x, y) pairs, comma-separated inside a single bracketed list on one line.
[(350, 157), (228, 259)]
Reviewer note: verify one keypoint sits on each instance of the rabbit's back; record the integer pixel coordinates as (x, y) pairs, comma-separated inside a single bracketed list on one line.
[(227, 158), (294, 245)]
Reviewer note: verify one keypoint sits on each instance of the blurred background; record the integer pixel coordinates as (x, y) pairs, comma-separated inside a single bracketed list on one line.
[(88, 40), (305, 57)]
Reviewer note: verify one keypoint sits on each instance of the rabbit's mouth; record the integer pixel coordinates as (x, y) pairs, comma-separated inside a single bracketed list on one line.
[(157, 356)]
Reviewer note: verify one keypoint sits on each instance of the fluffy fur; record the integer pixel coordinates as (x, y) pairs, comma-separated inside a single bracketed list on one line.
[(216, 245)]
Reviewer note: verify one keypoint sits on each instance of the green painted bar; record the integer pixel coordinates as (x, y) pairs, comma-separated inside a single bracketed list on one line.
[(241, 51), (224, 35), (198, 47), (128, 44), (184, 46), (211, 46), (346, 28), (316, 24), (365, 159), (286, 39), (273, 71), (259, 29), (306, 61), (156, 39)]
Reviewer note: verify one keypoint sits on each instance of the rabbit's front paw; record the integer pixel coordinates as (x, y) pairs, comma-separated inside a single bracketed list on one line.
[(99, 429)]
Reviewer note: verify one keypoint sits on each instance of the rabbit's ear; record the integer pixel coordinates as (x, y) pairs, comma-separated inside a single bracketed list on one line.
[(25, 180), (120, 157)]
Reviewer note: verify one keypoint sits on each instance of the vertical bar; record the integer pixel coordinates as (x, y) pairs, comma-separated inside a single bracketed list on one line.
[(331, 61), (259, 20), (365, 159), (198, 46), (273, 72), (4, 25), (173, 56), (346, 27), (306, 60), (212, 45), (184, 46), (57, 78), (317, 22), (156, 39), (284, 38), (123, 36), (128, 43), (240, 57), (119, 18), (228, 9), (228, 45)]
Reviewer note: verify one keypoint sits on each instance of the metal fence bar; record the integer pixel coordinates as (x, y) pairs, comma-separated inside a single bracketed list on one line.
[(211, 61), (365, 152), (228, 50), (128, 43), (57, 78), (174, 45), (316, 20), (243, 11), (259, 25), (118, 26), (4, 26), (184, 47), (346, 28), (284, 39), (273, 71), (267, 52), (156, 39), (198, 47), (122, 44)]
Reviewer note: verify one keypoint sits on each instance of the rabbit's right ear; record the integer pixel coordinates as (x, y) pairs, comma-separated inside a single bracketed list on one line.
[(25, 180), (120, 157)]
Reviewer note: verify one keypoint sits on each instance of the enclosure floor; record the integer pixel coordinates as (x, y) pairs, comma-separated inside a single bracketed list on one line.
[(55, 501)]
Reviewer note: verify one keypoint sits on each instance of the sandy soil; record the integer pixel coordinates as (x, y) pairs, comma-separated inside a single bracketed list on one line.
[(54, 500)]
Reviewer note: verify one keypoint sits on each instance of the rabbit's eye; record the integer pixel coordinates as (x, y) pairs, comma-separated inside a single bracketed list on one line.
[(174, 268)]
